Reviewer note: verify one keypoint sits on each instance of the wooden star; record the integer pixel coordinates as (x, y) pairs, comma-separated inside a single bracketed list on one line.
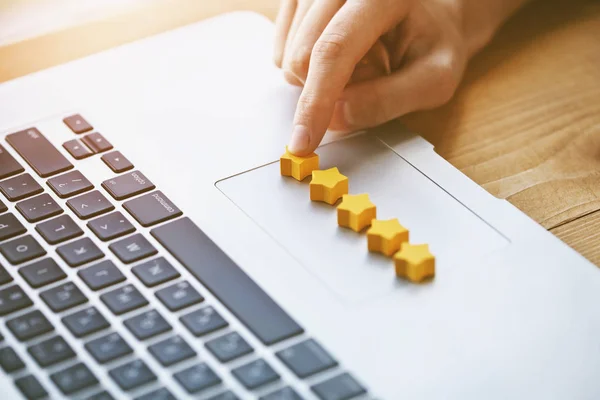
[(328, 186), (298, 167), (414, 262), (356, 212), (386, 236)]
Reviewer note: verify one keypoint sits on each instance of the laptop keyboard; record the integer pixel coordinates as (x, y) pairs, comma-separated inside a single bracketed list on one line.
[(153, 333)]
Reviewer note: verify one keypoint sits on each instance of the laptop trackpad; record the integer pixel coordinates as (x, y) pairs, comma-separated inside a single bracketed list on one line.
[(339, 257)]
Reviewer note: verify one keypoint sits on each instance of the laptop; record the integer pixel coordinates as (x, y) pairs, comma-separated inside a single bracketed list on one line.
[(151, 248)]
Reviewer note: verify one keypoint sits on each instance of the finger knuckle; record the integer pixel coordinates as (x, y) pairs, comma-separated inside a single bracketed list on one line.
[(446, 77), (330, 46), (299, 62)]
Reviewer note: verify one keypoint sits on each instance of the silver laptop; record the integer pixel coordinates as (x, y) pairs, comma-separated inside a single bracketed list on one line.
[(151, 249)]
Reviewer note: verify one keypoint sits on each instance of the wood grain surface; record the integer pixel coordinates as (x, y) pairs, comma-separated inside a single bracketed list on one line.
[(525, 124)]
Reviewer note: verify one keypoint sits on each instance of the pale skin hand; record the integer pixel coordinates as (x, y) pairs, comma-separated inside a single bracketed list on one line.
[(365, 62)]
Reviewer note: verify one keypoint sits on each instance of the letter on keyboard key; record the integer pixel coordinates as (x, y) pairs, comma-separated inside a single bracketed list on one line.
[(341, 387), (10, 361), (70, 184), (63, 297), (152, 208), (10, 227), (131, 375), (255, 374), (77, 124), (111, 226), (74, 379), (306, 358), (13, 299), (20, 187), (132, 248), (101, 275), (229, 347), (29, 325), (219, 274), (39, 153), (42, 273), (155, 272), (128, 185), (51, 351), (31, 388), (124, 299), (8, 165), (203, 321), (179, 296), (147, 325), (19, 250), (59, 229), (171, 351), (85, 322), (108, 348), (79, 252), (197, 378)]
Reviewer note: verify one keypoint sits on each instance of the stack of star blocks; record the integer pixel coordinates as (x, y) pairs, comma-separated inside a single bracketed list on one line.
[(413, 262)]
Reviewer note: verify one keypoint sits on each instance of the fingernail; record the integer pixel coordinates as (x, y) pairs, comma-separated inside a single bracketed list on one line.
[(300, 139)]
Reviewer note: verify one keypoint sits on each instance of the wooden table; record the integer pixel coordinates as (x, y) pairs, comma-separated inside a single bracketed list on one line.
[(525, 124)]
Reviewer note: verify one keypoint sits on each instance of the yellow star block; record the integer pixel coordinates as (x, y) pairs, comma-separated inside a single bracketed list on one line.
[(386, 236), (298, 167), (414, 262), (328, 186), (356, 212)]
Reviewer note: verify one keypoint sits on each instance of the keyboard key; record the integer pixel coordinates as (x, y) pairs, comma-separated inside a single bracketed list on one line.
[(111, 226), (51, 351), (59, 229), (78, 150), (341, 387), (203, 321), (155, 272), (124, 299), (20, 187), (306, 358), (133, 248), (13, 299), (39, 208), (3, 207), (197, 378), (30, 325), (10, 361), (79, 252), (131, 375), (117, 162), (101, 275), (128, 185), (152, 208), (85, 322), (179, 296), (70, 184), (38, 152), (4, 276), (74, 379), (97, 142), (42, 273), (159, 394), (229, 347), (77, 124), (10, 227), (286, 393), (108, 348), (31, 388), (147, 325), (219, 274), (103, 395), (171, 351), (228, 395), (254, 374), (22, 249), (63, 297), (8, 165), (90, 205)]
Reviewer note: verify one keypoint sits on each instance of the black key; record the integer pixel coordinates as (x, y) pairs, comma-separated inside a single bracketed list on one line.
[(155, 272), (341, 387), (97, 142), (13, 299), (51, 351), (39, 208), (147, 325), (85, 322), (4, 276), (179, 296), (79, 252), (8, 165), (152, 208), (171, 351), (286, 393), (42, 273), (63, 297), (219, 274), (21, 249), (3, 207), (10, 227), (70, 184), (78, 150), (228, 395), (229, 347), (131, 375), (117, 162), (128, 185), (31, 388), (74, 379), (133, 248), (203, 321), (20, 187), (103, 395), (59, 229), (90, 205), (306, 358), (254, 374), (77, 124), (197, 378), (10, 361), (39, 153), (108, 348), (124, 299), (159, 394), (30, 325), (101, 275), (111, 226)]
